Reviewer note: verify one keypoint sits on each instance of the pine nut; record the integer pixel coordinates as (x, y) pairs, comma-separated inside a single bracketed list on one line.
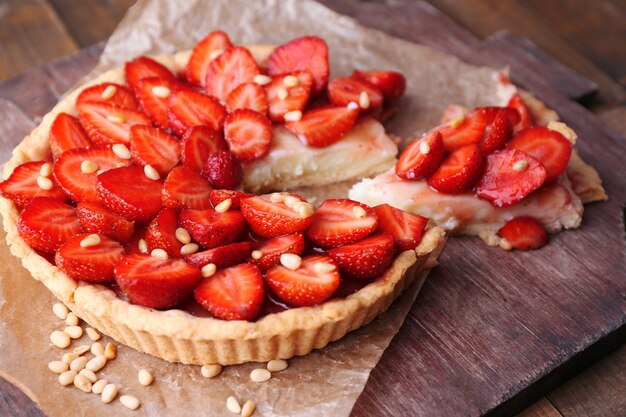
[(97, 349), (79, 363), (121, 150), (224, 206), (189, 248), (521, 165), (304, 209), (457, 122), (248, 409), (159, 254), (129, 401), (91, 240), (67, 377), (293, 116), (210, 371), (277, 365), (99, 385), (290, 201), (424, 148), (60, 310), (183, 235), (116, 118), (161, 91), (290, 261), (45, 170), (69, 357), (90, 375), (291, 81), (110, 351), (96, 363), (109, 92), (145, 377), (261, 79), (92, 334), (60, 339), (89, 167), (82, 383), (214, 54), (74, 332), (256, 255), (232, 405), (359, 212), (58, 367), (109, 392), (364, 100), (353, 105), (44, 183), (208, 270), (277, 197), (81, 349), (143, 246), (282, 93), (260, 375), (151, 173), (323, 267), (71, 319)]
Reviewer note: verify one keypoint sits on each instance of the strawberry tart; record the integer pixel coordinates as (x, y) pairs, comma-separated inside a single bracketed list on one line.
[(152, 202)]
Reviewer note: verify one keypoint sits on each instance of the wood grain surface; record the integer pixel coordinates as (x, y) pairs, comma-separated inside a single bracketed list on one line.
[(443, 313)]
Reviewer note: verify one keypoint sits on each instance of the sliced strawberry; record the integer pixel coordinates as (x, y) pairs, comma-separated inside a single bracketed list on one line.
[(203, 53), (196, 145), (405, 228), (46, 223), (304, 286), (421, 158), (551, 148), (127, 191), (161, 233), (271, 249), (217, 196), (109, 123), (78, 185), (21, 186), (366, 259), (185, 188), (270, 219), (489, 113), (156, 283), (223, 170), (459, 171), (247, 96), (524, 233), (94, 218), (308, 53), (109, 93), (133, 246), (187, 108), (323, 126), (91, 263), (391, 83), (345, 90), (498, 134), (152, 146), (233, 67), (339, 222), (144, 67), (212, 229), (510, 175), (462, 132), (67, 133), (155, 105), (526, 117), (222, 256), (297, 95), (234, 293), (248, 133)]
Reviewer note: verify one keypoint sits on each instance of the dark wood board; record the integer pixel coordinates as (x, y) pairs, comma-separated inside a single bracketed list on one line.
[(491, 330)]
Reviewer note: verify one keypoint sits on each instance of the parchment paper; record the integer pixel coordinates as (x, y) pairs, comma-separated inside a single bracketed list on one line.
[(324, 383)]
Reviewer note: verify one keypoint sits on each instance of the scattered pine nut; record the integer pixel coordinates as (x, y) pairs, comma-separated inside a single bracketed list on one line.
[(82, 383), (183, 235), (109, 92), (189, 248), (145, 377), (79, 363), (277, 365), (210, 371), (74, 332), (159, 254), (256, 255), (224, 206), (121, 150), (67, 377), (58, 367), (424, 148), (161, 91), (45, 170), (232, 405), (81, 349), (364, 100), (505, 244), (290, 261), (304, 210), (69, 357), (248, 408), (60, 310), (97, 349), (293, 116), (261, 79), (290, 201), (457, 122), (90, 375), (143, 246), (60, 339), (116, 118), (109, 392), (282, 93), (521, 165), (44, 183), (208, 270), (291, 81), (92, 334), (96, 363), (359, 212), (260, 375), (277, 197), (129, 401), (91, 240), (89, 167), (323, 267), (99, 385), (110, 351), (151, 173), (71, 319), (353, 105)]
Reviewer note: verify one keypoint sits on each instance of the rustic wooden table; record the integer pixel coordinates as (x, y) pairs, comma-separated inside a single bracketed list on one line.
[(589, 39)]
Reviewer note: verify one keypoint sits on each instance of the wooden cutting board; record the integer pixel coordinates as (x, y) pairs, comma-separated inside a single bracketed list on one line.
[(492, 330)]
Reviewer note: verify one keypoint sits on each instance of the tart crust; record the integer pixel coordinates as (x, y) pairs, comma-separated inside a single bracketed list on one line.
[(178, 336)]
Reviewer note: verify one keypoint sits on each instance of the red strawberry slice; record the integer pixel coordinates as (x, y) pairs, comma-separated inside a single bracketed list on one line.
[(391, 83), (67, 133), (421, 158), (152, 146), (489, 113), (233, 67), (247, 96), (94, 218), (212, 229), (323, 126), (304, 286), (109, 93), (203, 53), (271, 249), (297, 96), (405, 228), (235, 293), (459, 171), (498, 134), (339, 222), (92, 263), (524, 233), (187, 108), (366, 259), (549, 147), (308, 53), (196, 145), (133, 245), (161, 233), (222, 256), (128, 192), (21, 186), (46, 223), (270, 219), (144, 67), (78, 185), (248, 133), (109, 123), (156, 283), (185, 188), (223, 170), (466, 131), (344, 90), (152, 93), (217, 196), (526, 118), (510, 175)]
